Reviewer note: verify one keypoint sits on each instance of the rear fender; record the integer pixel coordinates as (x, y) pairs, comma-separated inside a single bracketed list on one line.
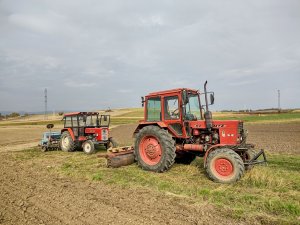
[(144, 124), (70, 132)]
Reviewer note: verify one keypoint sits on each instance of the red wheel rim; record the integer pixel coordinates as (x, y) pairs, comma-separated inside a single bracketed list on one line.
[(223, 167), (150, 150)]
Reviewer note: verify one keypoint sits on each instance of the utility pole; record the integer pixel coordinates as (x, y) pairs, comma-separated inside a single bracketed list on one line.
[(278, 91), (45, 116)]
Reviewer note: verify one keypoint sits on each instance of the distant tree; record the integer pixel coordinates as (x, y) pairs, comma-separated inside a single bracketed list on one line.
[(14, 114), (60, 113)]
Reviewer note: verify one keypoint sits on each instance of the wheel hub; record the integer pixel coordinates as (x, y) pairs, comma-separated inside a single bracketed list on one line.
[(223, 167), (150, 150), (87, 148)]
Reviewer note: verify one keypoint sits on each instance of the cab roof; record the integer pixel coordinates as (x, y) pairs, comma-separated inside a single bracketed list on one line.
[(176, 90), (81, 113)]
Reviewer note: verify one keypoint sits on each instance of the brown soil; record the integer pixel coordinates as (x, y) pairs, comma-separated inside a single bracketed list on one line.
[(275, 137), (30, 194)]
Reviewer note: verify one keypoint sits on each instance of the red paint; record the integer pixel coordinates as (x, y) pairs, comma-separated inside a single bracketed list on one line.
[(223, 167), (150, 150), (71, 133), (196, 132), (81, 138)]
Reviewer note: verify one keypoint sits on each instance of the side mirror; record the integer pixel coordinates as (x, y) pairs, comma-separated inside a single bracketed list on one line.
[(143, 101), (185, 97), (212, 99)]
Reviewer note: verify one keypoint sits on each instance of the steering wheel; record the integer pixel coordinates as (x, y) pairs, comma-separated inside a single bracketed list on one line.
[(175, 112)]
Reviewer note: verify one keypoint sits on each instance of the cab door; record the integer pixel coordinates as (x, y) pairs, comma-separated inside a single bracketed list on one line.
[(173, 114)]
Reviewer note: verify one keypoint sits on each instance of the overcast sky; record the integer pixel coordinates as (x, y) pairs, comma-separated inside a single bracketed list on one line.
[(93, 54)]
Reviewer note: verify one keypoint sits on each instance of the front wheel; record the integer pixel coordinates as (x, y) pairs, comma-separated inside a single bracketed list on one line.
[(224, 166), (154, 149), (88, 147)]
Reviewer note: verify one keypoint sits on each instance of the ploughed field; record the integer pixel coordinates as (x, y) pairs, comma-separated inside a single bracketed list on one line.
[(72, 188)]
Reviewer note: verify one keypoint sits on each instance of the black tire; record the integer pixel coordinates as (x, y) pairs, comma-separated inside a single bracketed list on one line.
[(88, 147), (66, 142), (164, 142), (248, 155), (184, 158), (111, 144), (223, 165)]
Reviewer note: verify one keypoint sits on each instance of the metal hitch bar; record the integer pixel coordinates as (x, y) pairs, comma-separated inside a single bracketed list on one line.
[(254, 160)]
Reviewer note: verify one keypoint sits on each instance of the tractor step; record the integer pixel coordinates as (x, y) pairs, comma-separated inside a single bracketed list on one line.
[(120, 156)]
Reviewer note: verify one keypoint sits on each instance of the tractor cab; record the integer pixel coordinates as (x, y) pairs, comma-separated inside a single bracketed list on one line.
[(84, 130)]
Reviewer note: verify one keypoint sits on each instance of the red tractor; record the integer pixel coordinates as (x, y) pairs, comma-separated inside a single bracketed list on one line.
[(177, 128), (85, 130)]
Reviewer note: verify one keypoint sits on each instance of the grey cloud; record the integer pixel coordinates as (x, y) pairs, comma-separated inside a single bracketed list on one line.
[(98, 54)]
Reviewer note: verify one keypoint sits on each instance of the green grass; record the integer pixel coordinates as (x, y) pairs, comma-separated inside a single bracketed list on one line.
[(271, 194), (120, 120), (261, 117), (135, 112)]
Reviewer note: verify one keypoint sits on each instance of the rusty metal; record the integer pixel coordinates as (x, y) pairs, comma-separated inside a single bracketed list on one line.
[(121, 159), (189, 147), (117, 157)]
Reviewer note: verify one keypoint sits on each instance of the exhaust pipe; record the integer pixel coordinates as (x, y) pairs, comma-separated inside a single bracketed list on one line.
[(207, 114)]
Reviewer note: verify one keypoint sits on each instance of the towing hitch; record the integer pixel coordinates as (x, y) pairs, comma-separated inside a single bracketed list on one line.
[(255, 160)]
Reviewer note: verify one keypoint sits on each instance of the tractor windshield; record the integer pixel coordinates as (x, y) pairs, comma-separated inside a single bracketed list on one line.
[(193, 106), (92, 120)]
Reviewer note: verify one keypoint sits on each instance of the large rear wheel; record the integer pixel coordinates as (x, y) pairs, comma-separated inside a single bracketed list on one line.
[(66, 142), (154, 149), (224, 166)]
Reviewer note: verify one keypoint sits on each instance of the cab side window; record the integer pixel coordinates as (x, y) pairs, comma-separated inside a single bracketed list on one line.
[(171, 108), (154, 109)]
